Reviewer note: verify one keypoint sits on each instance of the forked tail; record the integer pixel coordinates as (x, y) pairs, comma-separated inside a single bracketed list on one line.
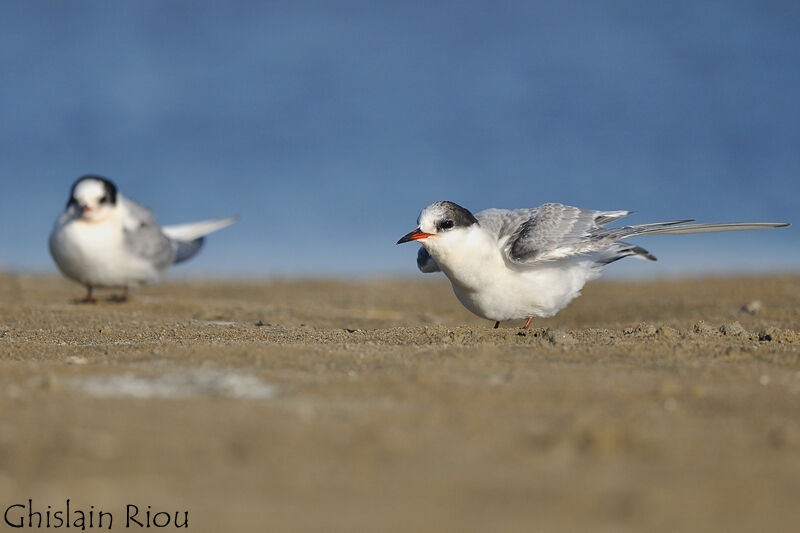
[(188, 238)]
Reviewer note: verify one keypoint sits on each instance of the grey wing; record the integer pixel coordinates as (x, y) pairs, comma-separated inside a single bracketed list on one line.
[(144, 238), (547, 232), (425, 262), (554, 231), (185, 250)]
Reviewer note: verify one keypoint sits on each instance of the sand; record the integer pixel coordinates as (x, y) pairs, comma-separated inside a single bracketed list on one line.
[(385, 406)]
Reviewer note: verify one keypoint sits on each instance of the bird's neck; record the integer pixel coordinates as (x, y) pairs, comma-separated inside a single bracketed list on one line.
[(468, 260)]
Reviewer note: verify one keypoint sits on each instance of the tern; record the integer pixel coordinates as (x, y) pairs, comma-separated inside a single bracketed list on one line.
[(525, 263), (103, 239)]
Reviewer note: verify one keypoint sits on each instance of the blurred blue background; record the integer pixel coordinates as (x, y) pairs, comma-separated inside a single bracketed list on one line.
[(329, 125)]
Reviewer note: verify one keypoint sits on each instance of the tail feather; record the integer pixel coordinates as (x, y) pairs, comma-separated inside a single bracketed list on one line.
[(187, 239), (674, 228), (660, 229), (620, 248), (661, 224), (194, 230)]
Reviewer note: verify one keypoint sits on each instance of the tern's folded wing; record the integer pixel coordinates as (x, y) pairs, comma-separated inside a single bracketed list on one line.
[(425, 262), (547, 232), (143, 235), (554, 231)]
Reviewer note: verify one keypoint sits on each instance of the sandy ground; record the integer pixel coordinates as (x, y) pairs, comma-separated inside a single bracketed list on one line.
[(385, 406)]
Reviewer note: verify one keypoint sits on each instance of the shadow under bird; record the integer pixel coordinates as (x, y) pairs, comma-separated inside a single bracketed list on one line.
[(525, 263), (103, 239)]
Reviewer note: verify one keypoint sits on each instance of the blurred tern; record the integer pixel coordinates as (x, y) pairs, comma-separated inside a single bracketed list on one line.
[(103, 239), (525, 263)]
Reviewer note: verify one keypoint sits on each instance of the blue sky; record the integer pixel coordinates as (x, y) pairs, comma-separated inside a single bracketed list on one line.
[(328, 126)]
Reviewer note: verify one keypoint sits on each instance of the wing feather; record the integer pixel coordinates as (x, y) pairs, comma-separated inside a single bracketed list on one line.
[(544, 233), (554, 231), (143, 235), (425, 262)]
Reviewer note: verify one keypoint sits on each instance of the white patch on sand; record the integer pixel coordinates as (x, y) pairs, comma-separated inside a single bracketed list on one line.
[(192, 384)]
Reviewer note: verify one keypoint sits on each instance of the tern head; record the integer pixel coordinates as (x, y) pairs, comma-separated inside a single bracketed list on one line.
[(440, 221), (93, 198)]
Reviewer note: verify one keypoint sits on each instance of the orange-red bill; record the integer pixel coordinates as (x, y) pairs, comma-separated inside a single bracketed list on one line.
[(414, 236)]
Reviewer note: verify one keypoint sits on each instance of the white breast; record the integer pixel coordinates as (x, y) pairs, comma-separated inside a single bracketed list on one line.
[(491, 288), (95, 254), (540, 291)]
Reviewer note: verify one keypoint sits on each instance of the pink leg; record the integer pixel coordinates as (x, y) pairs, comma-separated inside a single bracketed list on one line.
[(528, 323), (89, 299), (123, 297)]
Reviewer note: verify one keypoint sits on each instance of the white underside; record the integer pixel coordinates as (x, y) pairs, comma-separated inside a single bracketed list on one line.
[(541, 291), (95, 254), (489, 286)]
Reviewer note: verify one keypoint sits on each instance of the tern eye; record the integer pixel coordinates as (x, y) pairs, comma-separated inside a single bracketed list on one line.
[(104, 200), (447, 224)]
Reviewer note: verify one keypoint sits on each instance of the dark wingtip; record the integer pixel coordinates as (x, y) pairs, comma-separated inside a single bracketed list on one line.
[(185, 250), (638, 250)]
